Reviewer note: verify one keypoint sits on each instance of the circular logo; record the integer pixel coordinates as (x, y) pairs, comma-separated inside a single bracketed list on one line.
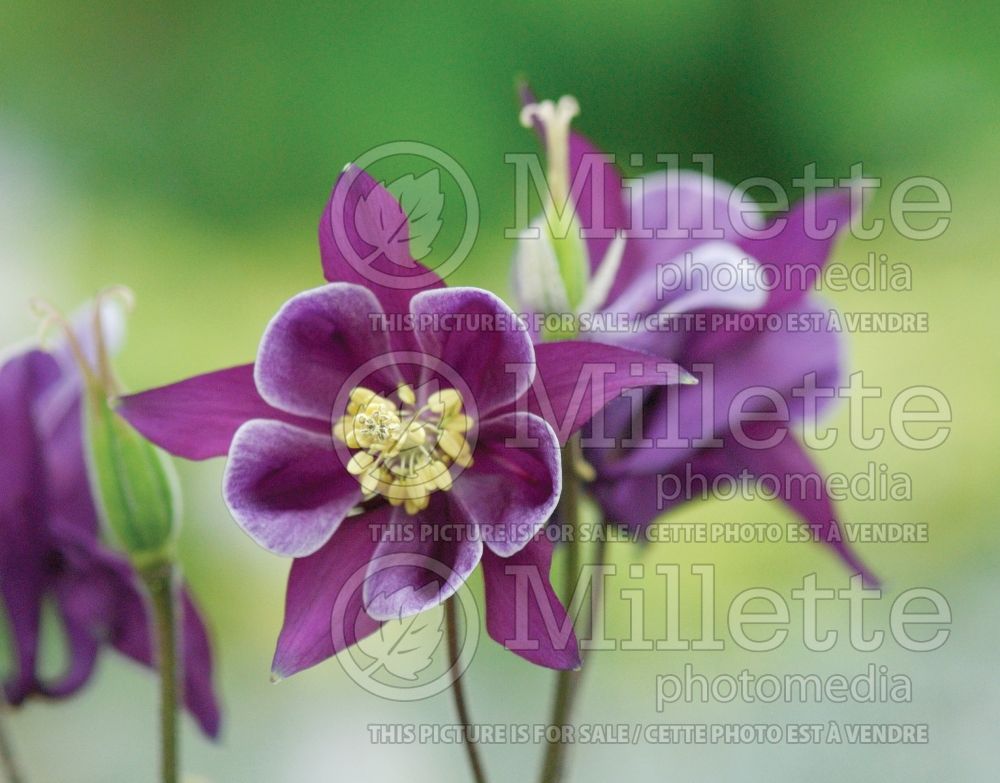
[(406, 658), (384, 239)]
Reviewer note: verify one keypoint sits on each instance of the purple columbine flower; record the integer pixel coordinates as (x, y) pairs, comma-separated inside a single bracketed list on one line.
[(51, 550), (672, 254), (387, 415)]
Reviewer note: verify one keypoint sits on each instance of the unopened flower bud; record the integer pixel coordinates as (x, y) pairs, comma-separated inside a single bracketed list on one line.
[(133, 482)]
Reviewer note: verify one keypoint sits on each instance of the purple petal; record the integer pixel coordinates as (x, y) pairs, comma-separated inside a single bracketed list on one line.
[(576, 379), (286, 487), (710, 276), (315, 584), (790, 462), (798, 252), (316, 344), (23, 380), (730, 363), (670, 215), (634, 500), (364, 239), (600, 211), (514, 484), (23, 528), (22, 595), (131, 637), (523, 613), (100, 594), (69, 500), (416, 567), (199, 694), (76, 597), (87, 603), (197, 418), (477, 337)]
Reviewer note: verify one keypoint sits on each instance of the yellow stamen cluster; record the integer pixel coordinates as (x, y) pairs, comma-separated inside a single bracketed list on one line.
[(403, 452)]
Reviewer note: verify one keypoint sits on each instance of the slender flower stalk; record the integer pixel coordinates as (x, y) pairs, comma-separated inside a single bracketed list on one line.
[(8, 763), (458, 693), (562, 701), (160, 584)]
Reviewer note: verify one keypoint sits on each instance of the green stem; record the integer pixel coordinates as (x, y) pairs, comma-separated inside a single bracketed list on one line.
[(162, 596), (8, 763), (553, 766), (458, 692), (596, 596)]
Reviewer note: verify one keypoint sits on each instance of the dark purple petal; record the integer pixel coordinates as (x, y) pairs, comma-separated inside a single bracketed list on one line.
[(131, 637), (24, 554), (635, 500), (197, 418), (514, 484), (69, 499), (315, 587), (76, 597), (416, 567), (99, 600), (523, 613), (790, 462), (286, 487), (199, 694), (364, 239), (87, 602), (778, 361), (315, 345), (673, 218), (576, 379), (477, 336), (800, 251), (599, 205), (23, 379), (22, 594)]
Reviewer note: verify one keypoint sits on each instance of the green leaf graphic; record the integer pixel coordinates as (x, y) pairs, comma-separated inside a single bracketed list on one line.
[(423, 203)]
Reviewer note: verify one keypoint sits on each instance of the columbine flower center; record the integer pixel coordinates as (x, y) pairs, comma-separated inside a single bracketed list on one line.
[(402, 451)]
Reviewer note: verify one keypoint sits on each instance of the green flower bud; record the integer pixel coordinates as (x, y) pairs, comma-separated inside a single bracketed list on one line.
[(134, 483)]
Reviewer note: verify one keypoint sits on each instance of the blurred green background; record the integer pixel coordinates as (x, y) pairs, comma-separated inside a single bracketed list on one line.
[(186, 149)]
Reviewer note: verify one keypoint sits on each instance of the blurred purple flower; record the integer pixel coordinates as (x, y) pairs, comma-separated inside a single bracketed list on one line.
[(381, 418), (51, 552), (655, 258)]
